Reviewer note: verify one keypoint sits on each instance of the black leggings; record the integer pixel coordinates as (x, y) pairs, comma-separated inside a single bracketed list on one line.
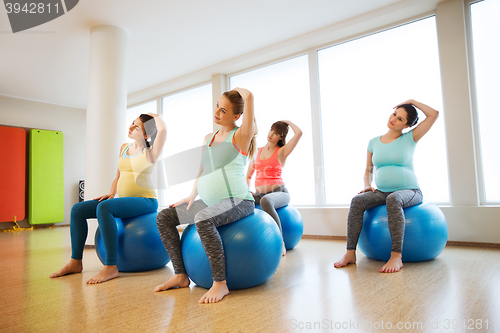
[(206, 220)]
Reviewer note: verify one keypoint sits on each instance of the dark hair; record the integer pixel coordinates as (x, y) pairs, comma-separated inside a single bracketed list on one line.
[(281, 128), (411, 114), (238, 104), (148, 128)]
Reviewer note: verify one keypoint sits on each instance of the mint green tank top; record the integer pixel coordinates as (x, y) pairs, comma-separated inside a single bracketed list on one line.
[(393, 163), (223, 175)]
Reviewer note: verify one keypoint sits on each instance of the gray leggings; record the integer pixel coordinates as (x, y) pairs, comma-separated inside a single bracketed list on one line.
[(270, 201), (394, 201), (206, 220)]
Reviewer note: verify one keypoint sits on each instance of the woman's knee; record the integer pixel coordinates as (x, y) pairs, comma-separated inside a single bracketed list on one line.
[(266, 203), (394, 200), (358, 201), (78, 208), (167, 216), (83, 209), (104, 207), (204, 226)]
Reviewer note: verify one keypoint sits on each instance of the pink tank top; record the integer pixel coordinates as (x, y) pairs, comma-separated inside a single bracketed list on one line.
[(268, 171)]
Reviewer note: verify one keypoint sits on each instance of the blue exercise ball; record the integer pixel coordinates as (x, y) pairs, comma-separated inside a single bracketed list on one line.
[(426, 233), (252, 247), (292, 225), (139, 244)]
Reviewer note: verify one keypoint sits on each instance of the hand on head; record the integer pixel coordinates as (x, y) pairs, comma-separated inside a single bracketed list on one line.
[(243, 92)]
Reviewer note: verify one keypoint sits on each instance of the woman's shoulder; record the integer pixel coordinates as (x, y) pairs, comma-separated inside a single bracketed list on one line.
[(374, 140), (409, 136), (207, 137), (123, 146)]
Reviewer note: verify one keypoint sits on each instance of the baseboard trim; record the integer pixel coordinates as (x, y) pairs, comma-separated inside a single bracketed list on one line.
[(343, 238), (449, 243)]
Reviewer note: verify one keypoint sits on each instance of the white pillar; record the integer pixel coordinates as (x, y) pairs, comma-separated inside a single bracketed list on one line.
[(106, 109)]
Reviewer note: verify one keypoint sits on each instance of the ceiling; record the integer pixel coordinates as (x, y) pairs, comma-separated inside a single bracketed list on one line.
[(167, 39)]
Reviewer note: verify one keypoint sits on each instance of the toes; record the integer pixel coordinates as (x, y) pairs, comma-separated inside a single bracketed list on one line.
[(159, 288)]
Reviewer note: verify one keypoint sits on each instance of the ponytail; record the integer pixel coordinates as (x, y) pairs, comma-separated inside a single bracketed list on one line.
[(253, 143)]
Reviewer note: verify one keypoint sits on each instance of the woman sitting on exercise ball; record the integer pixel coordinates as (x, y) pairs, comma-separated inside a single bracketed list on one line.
[(270, 190), (135, 191), (392, 156)]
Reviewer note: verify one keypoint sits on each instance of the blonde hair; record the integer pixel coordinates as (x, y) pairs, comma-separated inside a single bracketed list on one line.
[(238, 104)]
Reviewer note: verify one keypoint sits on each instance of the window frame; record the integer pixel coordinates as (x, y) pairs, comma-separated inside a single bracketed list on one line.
[(480, 178)]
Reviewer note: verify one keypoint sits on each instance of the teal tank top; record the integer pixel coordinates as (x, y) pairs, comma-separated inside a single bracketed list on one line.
[(223, 175), (393, 163)]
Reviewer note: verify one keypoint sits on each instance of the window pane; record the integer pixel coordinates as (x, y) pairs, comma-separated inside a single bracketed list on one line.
[(486, 47), (360, 82), (188, 116), (281, 92)]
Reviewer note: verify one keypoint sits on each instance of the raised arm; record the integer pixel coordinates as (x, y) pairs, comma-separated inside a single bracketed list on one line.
[(245, 133), (290, 145), (161, 137), (431, 116)]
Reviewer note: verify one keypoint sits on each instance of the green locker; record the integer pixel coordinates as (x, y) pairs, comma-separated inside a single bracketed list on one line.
[(46, 177)]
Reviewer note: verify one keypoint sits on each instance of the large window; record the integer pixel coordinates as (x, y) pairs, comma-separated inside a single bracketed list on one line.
[(188, 116), (486, 48), (281, 92), (360, 83)]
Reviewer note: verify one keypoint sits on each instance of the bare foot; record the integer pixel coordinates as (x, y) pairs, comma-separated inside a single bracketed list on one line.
[(109, 272), (348, 258), (74, 266), (178, 280), (216, 293), (394, 264)]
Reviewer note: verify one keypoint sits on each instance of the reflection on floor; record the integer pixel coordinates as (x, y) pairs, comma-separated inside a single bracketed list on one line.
[(453, 293)]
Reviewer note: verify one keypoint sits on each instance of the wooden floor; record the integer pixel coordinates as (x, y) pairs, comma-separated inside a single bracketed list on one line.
[(457, 292)]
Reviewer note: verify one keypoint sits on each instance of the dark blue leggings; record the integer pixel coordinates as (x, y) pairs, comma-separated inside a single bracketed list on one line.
[(105, 212)]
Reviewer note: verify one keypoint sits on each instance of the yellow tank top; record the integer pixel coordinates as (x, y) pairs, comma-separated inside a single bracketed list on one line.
[(135, 175)]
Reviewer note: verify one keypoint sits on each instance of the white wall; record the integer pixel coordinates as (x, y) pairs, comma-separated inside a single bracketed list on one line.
[(467, 220), (70, 121)]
